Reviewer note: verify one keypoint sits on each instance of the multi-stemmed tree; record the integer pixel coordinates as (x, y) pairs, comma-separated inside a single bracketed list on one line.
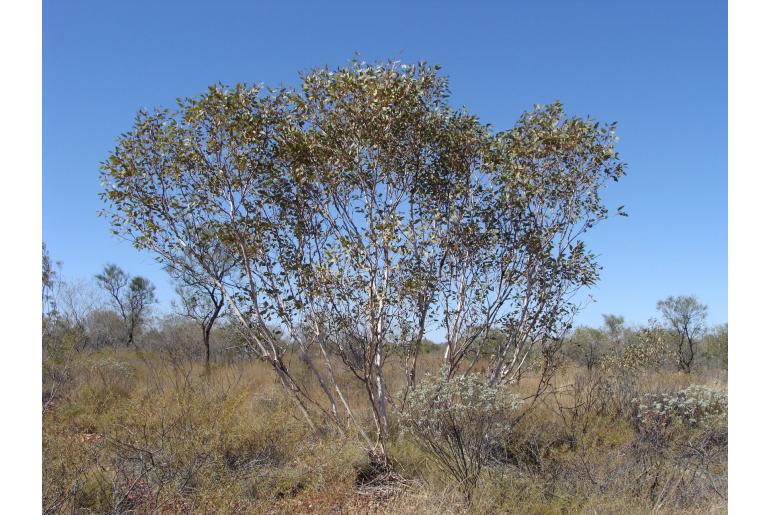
[(131, 297), (363, 211), (687, 318)]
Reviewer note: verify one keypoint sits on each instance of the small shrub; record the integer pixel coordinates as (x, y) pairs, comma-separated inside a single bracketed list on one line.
[(693, 405), (459, 422), (648, 350)]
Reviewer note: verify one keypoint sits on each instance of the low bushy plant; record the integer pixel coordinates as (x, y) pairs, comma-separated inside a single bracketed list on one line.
[(693, 405), (459, 422), (647, 350)]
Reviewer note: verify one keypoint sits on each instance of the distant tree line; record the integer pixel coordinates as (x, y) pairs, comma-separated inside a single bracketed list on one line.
[(118, 310), (680, 341)]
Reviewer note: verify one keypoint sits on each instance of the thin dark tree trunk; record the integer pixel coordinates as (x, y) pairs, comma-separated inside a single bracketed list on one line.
[(206, 343), (208, 326)]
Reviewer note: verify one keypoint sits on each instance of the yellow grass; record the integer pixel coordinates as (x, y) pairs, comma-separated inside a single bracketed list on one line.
[(147, 432)]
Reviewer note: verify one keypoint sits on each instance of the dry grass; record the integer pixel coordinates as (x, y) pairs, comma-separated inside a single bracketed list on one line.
[(150, 432)]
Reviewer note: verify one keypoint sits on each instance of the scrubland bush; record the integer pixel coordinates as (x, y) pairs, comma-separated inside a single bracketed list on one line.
[(693, 405), (105, 328), (587, 346), (715, 347), (647, 348), (681, 445), (575, 453), (146, 430), (61, 342), (460, 422)]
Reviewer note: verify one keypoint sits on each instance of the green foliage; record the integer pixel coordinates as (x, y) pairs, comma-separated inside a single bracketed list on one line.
[(693, 405), (460, 422), (61, 342), (715, 346), (50, 276), (614, 325), (132, 298), (647, 348), (587, 345)]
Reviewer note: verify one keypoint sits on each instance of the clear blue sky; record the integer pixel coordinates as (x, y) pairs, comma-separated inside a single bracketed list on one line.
[(658, 68)]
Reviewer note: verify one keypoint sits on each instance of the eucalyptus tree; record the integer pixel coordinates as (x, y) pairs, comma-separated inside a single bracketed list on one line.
[(200, 299), (687, 317), (131, 297), (363, 212)]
